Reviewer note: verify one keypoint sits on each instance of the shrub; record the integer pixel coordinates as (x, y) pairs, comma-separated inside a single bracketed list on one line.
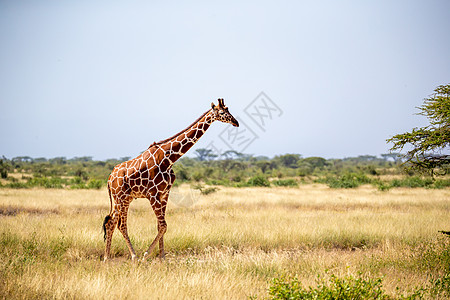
[(435, 257), (285, 182), (258, 180), (197, 176), (334, 288), (181, 172), (441, 183), (3, 172), (382, 186), (95, 184), (48, 183), (76, 181), (17, 185), (348, 180), (236, 178), (412, 182), (304, 170), (204, 190), (441, 286)]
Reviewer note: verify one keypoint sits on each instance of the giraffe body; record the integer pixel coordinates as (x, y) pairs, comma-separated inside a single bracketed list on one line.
[(150, 176)]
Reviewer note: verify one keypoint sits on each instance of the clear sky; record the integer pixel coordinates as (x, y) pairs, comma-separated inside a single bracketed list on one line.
[(107, 78)]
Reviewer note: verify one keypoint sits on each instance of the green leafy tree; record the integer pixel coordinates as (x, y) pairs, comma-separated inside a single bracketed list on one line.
[(288, 160), (5, 167), (264, 165), (429, 151), (231, 154), (316, 162), (205, 154)]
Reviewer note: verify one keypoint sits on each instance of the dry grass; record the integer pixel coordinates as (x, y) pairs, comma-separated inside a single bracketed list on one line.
[(227, 245)]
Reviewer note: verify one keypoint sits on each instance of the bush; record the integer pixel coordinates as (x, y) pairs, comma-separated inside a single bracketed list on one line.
[(236, 178), (17, 185), (197, 176), (95, 184), (346, 181), (204, 190), (4, 168), (285, 182), (48, 183), (382, 186), (441, 286), (258, 180), (441, 183), (333, 288), (434, 258), (76, 180), (412, 182), (181, 172)]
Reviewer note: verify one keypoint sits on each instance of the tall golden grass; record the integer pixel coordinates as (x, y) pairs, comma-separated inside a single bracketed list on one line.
[(226, 245)]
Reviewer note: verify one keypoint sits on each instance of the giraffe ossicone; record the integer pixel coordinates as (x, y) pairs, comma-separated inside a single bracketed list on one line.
[(150, 176)]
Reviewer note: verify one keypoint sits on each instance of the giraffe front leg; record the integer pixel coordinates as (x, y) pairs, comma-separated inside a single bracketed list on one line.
[(164, 199), (162, 227), (159, 203), (162, 254)]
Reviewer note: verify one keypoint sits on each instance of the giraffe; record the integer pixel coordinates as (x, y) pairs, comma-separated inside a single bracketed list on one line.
[(150, 176)]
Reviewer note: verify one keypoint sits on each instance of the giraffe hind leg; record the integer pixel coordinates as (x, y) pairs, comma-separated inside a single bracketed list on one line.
[(123, 229), (109, 225), (107, 219)]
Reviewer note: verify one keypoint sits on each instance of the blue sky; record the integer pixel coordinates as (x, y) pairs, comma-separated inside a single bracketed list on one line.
[(107, 78)]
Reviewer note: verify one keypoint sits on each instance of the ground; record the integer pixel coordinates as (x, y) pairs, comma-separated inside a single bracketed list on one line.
[(226, 245)]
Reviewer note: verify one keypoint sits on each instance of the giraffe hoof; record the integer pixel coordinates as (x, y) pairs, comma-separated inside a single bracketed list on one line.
[(144, 257)]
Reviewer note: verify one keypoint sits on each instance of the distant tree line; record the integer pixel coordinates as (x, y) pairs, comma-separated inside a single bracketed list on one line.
[(292, 169), (229, 169)]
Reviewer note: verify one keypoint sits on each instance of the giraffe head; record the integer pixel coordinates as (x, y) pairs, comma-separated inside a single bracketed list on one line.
[(221, 113)]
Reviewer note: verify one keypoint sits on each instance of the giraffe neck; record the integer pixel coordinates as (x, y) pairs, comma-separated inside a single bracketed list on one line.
[(179, 144)]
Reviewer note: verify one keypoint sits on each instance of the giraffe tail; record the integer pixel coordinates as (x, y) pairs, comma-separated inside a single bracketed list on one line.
[(108, 217)]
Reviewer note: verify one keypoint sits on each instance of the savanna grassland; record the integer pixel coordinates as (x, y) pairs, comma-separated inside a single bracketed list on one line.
[(230, 244)]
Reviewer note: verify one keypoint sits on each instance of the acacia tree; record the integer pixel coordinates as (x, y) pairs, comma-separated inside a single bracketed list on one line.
[(429, 150), (205, 154)]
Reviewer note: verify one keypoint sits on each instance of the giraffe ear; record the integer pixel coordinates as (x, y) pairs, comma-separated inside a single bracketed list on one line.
[(212, 105)]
